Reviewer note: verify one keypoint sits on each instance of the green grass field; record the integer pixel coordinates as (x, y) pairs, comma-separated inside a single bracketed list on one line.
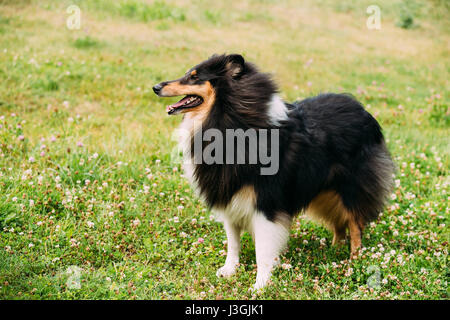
[(93, 204)]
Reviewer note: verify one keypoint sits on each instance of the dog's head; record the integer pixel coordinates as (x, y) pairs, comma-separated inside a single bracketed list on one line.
[(200, 84)]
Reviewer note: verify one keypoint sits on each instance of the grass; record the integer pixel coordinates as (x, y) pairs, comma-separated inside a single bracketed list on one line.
[(93, 204), (85, 43)]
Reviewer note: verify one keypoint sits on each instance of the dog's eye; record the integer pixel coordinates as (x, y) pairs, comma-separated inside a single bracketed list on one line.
[(194, 77)]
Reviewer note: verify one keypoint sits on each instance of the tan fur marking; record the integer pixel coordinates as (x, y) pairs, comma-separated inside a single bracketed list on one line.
[(339, 235), (355, 237), (206, 91), (202, 111), (194, 72), (327, 208)]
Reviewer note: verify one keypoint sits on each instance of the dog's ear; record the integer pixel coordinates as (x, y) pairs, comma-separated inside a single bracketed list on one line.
[(235, 65)]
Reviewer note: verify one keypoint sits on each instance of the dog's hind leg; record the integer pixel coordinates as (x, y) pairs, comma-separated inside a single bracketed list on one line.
[(327, 208), (270, 239), (355, 236), (233, 247), (339, 234)]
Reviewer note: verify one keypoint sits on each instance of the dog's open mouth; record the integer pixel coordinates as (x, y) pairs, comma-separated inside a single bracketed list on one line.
[(190, 101)]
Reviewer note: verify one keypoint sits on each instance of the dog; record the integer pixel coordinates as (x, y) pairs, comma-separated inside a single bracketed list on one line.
[(333, 163)]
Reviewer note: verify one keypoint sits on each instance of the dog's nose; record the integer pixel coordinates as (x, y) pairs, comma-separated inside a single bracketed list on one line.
[(157, 88)]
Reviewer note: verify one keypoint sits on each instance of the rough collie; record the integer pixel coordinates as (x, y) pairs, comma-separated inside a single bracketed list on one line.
[(331, 158)]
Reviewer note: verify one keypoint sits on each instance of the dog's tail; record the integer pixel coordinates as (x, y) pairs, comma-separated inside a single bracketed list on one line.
[(375, 182)]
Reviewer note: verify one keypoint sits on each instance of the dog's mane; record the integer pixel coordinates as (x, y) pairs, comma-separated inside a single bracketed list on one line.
[(240, 103)]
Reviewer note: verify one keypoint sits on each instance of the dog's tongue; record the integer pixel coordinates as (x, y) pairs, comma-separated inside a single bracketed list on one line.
[(177, 104)]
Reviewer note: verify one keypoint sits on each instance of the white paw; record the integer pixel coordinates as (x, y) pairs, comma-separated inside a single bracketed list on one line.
[(226, 271), (261, 282), (257, 288), (255, 291), (276, 263)]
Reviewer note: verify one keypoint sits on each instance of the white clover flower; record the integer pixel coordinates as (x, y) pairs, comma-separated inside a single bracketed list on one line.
[(349, 272), (286, 266)]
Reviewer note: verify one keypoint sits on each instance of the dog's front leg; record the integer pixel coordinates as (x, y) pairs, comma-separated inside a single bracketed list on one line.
[(270, 239), (233, 247)]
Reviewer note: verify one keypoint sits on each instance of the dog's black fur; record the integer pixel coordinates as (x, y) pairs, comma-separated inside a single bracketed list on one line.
[(329, 142)]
